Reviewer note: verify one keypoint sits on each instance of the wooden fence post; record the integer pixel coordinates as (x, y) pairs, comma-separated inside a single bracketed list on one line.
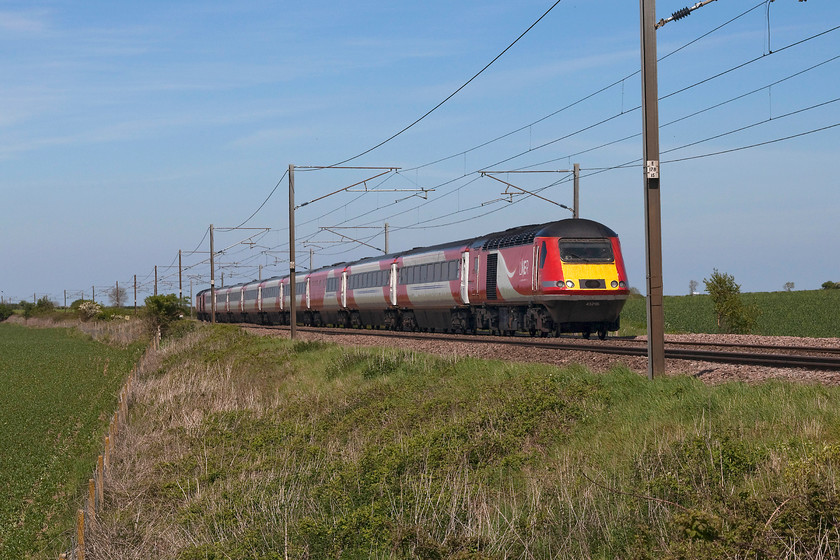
[(80, 535), (91, 499), (101, 480)]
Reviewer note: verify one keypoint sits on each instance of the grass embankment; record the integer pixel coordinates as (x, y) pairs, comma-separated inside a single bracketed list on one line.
[(811, 313), (244, 447), (58, 389)]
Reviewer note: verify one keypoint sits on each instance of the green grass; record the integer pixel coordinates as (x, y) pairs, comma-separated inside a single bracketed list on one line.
[(59, 389), (802, 313), (249, 447)]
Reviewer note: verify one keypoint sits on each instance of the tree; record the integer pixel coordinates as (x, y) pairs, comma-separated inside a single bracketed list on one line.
[(788, 286), (117, 296), (692, 287), (731, 314), (831, 285)]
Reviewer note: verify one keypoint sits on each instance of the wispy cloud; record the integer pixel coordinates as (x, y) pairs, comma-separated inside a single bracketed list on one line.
[(23, 22)]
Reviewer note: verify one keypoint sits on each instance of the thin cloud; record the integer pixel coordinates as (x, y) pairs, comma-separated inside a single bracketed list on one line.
[(26, 23)]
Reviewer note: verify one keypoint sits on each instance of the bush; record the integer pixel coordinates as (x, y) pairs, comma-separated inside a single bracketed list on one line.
[(831, 285), (161, 312), (43, 307), (88, 310), (6, 311), (731, 314)]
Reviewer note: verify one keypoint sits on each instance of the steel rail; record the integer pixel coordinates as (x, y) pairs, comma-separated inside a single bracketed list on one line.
[(809, 361)]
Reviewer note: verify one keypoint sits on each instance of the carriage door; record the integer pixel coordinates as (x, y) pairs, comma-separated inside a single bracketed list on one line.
[(307, 293), (344, 289), (473, 277), (281, 293), (465, 277), (535, 275), (392, 283)]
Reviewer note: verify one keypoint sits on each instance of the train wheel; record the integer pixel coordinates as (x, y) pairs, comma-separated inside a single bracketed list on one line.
[(585, 334), (602, 334)]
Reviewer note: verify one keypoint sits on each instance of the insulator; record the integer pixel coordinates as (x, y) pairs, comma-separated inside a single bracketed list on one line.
[(679, 14)]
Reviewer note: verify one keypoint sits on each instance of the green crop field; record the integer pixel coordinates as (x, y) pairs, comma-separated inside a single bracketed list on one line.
[(803, 313), (59, 389)]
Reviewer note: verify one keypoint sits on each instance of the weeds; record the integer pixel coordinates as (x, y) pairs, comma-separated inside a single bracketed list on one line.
[(241, 447)]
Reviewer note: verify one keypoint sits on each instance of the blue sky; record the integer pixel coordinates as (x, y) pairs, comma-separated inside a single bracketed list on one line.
[(127, 129)]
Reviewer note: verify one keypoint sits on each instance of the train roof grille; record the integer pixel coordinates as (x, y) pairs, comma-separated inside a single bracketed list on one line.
[(519, 238)]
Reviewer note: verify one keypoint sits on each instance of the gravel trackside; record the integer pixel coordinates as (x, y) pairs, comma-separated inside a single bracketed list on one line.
[(707, 371)]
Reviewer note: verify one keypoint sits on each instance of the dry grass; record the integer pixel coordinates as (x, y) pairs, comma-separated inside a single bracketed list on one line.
[(243, 448), (117, 332)]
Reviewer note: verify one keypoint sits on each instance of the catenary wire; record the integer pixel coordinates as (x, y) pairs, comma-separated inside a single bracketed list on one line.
[(451, 95)]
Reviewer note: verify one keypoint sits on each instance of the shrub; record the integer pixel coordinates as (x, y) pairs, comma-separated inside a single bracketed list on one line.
[(6, 311), (731, 314), (88, 310), (44, 306), (161, 312), (831, 285)]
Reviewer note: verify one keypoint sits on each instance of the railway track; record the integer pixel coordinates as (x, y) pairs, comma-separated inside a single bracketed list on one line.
[(808, 357)]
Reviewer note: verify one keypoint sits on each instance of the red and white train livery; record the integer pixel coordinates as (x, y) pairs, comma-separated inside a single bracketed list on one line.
[(565, 276)]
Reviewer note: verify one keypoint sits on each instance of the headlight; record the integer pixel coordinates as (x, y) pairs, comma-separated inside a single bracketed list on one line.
[(570, 284), (560, 283), (614, 284), (622, 285)]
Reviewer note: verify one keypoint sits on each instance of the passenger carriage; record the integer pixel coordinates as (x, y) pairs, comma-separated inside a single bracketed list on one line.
[(564, 276)]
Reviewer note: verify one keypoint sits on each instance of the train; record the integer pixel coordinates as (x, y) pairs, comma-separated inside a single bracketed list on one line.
[(566, 276)]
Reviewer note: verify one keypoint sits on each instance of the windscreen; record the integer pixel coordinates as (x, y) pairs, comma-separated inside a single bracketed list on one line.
[(586, 250)]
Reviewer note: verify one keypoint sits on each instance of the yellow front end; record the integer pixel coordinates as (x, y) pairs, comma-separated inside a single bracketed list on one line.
[(586, 277)]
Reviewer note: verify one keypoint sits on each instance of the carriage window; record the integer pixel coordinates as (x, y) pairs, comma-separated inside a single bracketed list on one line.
[(542, 254), (586, 250), (442, 271)]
